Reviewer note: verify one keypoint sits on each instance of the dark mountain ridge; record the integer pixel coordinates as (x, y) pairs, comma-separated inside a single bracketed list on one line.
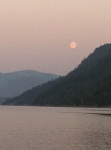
[(87, 85)]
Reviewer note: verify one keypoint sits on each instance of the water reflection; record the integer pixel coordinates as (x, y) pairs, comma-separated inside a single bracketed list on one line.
[(48, 128)]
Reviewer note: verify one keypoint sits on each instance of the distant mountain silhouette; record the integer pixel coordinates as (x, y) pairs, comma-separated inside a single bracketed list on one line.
[(87, 85), (15, 83), (2, 99)]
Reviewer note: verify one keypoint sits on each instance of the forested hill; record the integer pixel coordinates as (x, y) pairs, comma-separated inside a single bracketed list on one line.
[(15, 83), (87, 85)]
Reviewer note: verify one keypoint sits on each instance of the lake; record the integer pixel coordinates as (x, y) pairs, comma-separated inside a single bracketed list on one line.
[(49, 128)]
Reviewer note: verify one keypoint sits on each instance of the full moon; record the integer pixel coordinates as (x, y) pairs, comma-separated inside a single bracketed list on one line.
[(73, 45)]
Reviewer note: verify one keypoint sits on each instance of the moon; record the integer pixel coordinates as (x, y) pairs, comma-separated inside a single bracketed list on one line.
[(73, 45)]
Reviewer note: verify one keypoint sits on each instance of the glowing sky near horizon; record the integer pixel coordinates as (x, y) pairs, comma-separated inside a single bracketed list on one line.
[(36, 34)]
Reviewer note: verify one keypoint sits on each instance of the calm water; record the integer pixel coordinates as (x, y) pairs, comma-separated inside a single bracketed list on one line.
[(44, 128)]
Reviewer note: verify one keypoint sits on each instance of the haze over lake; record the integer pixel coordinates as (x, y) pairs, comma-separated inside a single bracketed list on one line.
[(49, 128), (57, 37)]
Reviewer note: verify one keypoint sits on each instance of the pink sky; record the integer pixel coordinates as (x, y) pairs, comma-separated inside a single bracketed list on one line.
[(36, 34)]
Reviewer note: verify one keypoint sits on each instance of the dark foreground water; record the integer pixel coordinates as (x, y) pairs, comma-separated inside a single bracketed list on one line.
[(46, 128)]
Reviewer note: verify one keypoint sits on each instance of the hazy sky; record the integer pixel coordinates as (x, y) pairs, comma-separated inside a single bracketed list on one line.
[(36, 34)]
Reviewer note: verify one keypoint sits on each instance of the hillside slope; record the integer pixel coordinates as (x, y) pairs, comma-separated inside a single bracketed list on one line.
[(87, 85), (15, 83)]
